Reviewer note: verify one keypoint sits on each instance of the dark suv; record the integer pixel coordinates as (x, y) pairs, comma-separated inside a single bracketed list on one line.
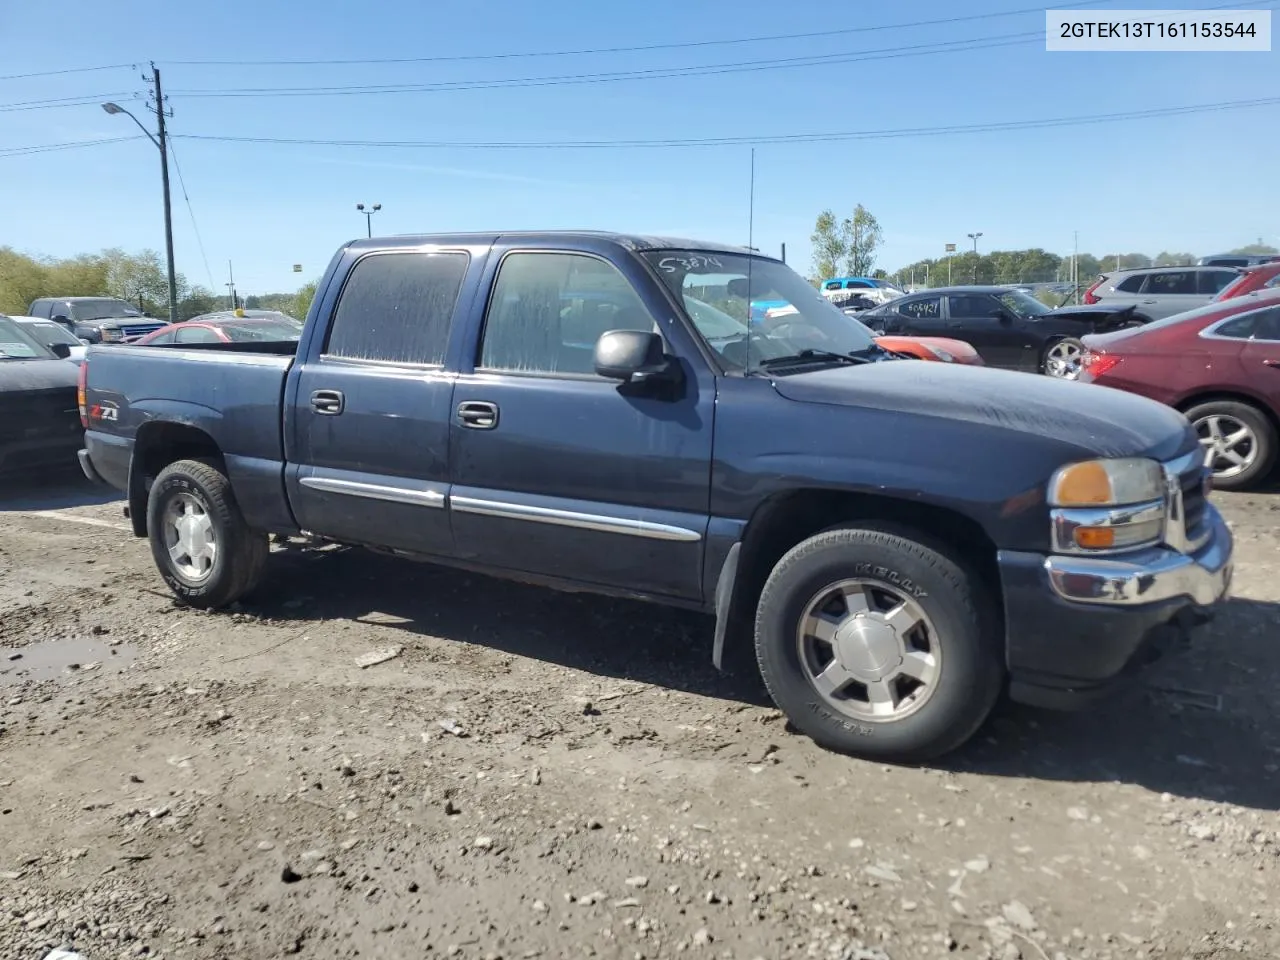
[(96, 319)]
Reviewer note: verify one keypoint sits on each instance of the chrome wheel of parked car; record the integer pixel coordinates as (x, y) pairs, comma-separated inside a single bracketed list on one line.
[(869, 650), (1064, 358), (1231, 446), (190, 537)]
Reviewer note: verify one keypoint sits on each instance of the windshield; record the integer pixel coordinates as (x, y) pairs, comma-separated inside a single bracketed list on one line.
[(261, 330), (50, 333), (1023, 304), (102, 309), (719, 291), (17, 344)]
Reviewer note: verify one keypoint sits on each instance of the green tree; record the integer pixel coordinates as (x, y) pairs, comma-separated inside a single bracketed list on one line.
[(22, 279), (830, 245), (1258, 249), (198, 300), (863, 236), (302, 300), (1166, 259)]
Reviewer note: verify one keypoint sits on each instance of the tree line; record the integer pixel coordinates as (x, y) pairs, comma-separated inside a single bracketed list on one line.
[(139, 278)]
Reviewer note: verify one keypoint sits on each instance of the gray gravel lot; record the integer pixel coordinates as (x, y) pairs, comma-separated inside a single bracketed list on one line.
[(541, 775)]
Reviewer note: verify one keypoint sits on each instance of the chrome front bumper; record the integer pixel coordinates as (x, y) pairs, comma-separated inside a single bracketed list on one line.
[(1151, 575)]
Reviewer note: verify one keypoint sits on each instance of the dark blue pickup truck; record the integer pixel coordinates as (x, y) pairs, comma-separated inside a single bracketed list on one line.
[(901, 540)]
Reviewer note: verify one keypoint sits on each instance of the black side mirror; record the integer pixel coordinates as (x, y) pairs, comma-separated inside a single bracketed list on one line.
[(62, 318), (634, 356), (1004, 316), (61, 350)]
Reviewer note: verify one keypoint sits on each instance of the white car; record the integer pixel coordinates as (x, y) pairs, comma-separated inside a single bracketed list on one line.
[(49, 333)]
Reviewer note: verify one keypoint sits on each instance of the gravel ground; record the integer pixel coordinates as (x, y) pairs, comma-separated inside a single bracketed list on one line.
[(543, 775)]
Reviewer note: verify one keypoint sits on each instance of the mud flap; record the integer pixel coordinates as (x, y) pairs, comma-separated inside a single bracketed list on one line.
[(724, 598)]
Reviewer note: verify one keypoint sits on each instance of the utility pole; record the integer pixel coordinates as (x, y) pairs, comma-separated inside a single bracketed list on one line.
[(974, 237), (784, 253), (231, 286), (168, 209)]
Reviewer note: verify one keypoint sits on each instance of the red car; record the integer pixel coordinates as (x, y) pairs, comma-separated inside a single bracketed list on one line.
[(1220, 365), (1262, 277), (228, 327)]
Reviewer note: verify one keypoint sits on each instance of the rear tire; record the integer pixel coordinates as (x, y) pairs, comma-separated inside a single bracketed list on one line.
[(206, 553), (1239, 438), (879, 595)]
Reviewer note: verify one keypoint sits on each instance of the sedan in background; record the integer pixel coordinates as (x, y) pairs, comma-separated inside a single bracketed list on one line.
[(1008, 328), (50, 333), (230, 327), (932, 348), (1219, 365), (1264, 277)]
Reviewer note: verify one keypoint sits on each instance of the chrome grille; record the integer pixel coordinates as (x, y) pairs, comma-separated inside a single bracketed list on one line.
[(138, 329), (1186, 529)]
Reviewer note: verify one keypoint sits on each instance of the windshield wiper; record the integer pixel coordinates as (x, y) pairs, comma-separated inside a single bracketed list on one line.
[(812, 354)]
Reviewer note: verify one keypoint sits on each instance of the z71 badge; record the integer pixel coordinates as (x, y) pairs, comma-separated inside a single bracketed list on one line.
[(104, 411)]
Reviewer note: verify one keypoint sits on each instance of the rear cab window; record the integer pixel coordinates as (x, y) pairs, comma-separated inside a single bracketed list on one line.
[(397, 308)]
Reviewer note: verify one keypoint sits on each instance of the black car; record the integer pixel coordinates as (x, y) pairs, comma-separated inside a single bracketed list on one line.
[(39, 419), (1008, 327)]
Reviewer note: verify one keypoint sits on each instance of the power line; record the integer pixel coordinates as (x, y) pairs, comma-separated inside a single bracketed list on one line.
[(51, 147), (643, 48), (77, 101), (196, 229), (58, 73), (890, 134), (746, 66)]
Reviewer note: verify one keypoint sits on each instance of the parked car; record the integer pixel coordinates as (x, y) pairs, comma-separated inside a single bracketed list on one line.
[(229, 327), (932, 348), (50, 333), (1220, 365), (1008, 328), (854, 303), (1156, 293), (1237, 259), (39, 426), (1262, 277), (881, 291), (96, 319), (904, 537)]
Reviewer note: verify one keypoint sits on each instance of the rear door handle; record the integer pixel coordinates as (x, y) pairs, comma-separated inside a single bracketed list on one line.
[(328, 402), (478, 414)]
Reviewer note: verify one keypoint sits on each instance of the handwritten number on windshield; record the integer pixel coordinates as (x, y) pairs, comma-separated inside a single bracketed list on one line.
[(689, 264)]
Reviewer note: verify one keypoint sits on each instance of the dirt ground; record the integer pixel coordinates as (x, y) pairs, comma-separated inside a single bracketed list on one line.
[(543, 775)]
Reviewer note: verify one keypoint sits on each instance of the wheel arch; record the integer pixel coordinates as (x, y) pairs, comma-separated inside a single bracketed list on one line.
[(787, 518), (159, 443)]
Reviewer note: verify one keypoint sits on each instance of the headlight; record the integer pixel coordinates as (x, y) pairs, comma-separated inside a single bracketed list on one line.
[(943, 355), (1107, 505), (111, 335), (1102, 483)]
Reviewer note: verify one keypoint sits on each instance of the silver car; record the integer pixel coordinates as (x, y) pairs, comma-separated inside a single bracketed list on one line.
[(1159, 292)]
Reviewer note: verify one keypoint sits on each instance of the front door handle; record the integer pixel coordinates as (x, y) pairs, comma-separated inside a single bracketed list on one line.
[(478, 414), (328, 402)]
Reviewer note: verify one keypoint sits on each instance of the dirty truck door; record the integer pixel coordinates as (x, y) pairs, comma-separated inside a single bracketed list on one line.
[(560, 472), (370, 430)]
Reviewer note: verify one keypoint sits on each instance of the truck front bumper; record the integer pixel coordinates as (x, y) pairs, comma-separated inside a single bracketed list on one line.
[(1077, 625)]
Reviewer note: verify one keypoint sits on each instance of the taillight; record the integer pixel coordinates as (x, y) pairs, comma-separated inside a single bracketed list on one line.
[(1089, 296), (1098, 364), (82, 392)]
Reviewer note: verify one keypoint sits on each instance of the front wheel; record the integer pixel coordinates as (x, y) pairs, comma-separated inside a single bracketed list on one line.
[(1239, 442), (205, 551), (876, 644), (1063, 359)]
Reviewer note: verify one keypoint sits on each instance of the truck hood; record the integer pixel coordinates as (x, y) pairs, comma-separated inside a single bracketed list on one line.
[(1098, 421)]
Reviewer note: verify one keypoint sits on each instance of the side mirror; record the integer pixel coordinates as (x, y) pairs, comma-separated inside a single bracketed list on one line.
[(1004, 316), (84, 341), (634, 356), (61, 350), (739, 287), (62, 319)]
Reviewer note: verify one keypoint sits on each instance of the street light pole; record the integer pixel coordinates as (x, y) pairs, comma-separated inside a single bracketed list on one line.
[(161, 145), (974, 237), (368, 216)]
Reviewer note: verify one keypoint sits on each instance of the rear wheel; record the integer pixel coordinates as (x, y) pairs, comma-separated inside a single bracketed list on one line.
[(1063, 359), (878, 645), (205, 551), (1239, 442)]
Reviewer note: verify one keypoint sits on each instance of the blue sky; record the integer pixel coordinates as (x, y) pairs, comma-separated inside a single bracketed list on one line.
[(1196, 182)]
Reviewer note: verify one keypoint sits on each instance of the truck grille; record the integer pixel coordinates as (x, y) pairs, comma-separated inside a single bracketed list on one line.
[(130, 330), (1187, 527)]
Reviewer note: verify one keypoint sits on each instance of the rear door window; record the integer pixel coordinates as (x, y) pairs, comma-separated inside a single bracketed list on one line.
[(1170, 282), (926, 308), (397, 308)]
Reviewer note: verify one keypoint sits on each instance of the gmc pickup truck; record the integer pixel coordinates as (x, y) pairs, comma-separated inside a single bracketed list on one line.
[(900, 541)]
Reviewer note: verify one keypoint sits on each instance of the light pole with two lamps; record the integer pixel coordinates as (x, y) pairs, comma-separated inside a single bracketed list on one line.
[(368, 215), (114, 108), (974, 237)]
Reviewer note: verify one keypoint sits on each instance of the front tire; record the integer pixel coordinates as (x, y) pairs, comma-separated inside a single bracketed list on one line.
[(206, 553), (879, 645), (1239, 442), (1063, 358)]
